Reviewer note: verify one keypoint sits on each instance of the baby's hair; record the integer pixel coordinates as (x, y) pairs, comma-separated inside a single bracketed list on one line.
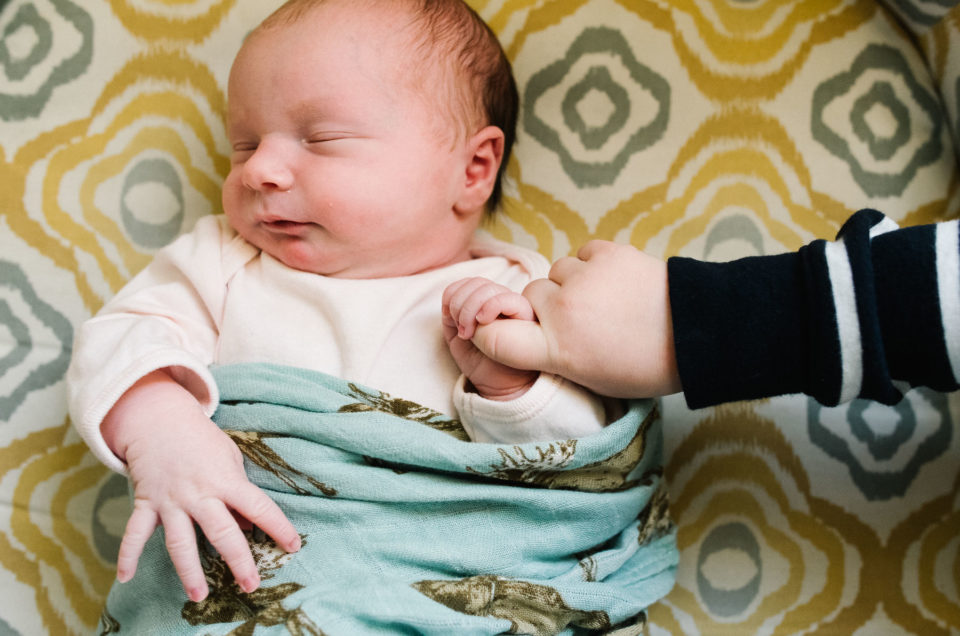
[(451, 36), (486, 92)]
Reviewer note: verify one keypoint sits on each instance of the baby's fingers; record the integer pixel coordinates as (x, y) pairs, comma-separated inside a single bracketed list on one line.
[(140, 526), (456, 294), (181, 542), (467, 299), (224, 534), (506, 303), (255, 506)]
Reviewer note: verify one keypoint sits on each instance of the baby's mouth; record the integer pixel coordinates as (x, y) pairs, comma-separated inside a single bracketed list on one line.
[(285, 226)]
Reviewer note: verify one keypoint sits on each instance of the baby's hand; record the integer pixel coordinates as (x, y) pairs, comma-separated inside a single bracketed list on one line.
[(473, 302), (186, 471)]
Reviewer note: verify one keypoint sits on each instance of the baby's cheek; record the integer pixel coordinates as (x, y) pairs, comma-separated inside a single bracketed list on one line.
[(232, 203)]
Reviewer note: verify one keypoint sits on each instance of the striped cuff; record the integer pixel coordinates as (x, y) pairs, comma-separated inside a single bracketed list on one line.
[(948, 289), (876, 311), (862, 356), (917, 270)]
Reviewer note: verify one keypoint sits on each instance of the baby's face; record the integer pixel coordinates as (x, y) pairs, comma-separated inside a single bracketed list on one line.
[(337, 168)]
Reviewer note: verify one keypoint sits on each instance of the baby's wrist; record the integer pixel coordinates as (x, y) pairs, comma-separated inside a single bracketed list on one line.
[(506, 393), (133, 416)]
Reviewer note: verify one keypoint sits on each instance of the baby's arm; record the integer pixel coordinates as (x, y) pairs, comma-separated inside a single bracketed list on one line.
[(185, 470), (141, 395), (468, 304)]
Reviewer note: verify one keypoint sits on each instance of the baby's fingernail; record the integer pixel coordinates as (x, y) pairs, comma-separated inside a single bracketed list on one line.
[(250, 584), (294, 545), (123, 577), (197, 594)]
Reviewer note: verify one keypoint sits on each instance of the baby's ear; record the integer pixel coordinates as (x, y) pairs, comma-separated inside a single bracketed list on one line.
[(484, 153)]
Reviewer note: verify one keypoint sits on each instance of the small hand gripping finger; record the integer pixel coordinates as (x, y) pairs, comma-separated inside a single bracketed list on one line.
[(465, 300), (507, 303), (456, 293)]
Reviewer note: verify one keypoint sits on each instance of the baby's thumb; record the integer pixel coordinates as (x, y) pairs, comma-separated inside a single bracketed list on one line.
[(521, 344)]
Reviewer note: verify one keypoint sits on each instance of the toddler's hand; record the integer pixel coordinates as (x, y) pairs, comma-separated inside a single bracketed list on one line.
[(603, 321), (186, 471), (468, 304)]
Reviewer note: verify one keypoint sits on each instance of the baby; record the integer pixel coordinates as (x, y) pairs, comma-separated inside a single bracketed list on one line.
[(359, 175), (314, 342)]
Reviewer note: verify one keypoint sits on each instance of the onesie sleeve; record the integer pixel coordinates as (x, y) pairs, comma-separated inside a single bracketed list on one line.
[(553, 408), (165, 317), (867, 316)]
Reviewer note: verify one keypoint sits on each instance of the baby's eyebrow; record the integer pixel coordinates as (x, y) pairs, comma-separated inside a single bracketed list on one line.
[(311, 109), (237, 130)]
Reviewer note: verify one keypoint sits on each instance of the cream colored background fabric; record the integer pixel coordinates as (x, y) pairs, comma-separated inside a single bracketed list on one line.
[(707, 128)]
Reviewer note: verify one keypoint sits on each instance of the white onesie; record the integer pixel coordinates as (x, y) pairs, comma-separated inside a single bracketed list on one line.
[(213, 298)]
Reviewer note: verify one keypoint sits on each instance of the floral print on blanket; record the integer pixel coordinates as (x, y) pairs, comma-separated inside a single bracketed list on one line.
[(227, 603), (253, 447), (372, 400), (549, 467), (530, 608)]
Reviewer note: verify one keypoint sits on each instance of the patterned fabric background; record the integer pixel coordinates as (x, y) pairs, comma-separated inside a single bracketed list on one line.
[(708, 128)]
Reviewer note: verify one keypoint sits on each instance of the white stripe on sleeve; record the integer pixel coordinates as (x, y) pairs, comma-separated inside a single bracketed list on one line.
[(885, 225), (948, 286), (848, 322)]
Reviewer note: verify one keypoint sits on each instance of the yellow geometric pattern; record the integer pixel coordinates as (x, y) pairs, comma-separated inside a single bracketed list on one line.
[(707, 128)]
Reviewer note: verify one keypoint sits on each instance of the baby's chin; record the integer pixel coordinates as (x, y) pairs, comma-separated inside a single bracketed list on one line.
[(347, 266), (336, 261), (372, 268)]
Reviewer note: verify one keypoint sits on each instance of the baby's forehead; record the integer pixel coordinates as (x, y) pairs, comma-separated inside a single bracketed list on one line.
[(399, 34), (394, 29)]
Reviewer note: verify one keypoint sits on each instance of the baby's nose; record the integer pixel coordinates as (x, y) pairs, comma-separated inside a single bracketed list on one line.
[(268, 168)]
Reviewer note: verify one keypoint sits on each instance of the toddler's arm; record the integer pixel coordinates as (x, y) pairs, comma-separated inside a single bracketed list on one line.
[(472, 302), (185, 470)]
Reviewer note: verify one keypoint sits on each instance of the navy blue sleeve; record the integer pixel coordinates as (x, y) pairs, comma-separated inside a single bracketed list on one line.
[(867, 316)]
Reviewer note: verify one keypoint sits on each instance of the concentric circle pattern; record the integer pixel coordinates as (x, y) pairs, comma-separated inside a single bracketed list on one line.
[(709, 128)]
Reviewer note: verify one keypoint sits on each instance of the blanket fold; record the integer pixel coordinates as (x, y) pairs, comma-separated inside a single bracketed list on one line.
[(408, 527)]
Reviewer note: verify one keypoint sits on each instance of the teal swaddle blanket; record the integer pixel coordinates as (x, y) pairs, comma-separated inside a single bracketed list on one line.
[(409, 528)]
